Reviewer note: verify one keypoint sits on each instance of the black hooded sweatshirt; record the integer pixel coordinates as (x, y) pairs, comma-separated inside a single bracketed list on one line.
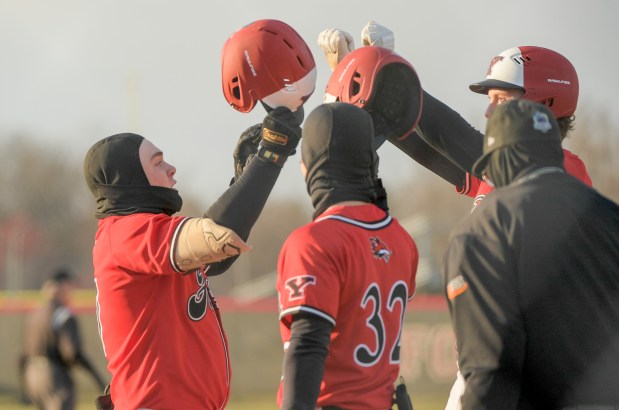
[(532, 281)]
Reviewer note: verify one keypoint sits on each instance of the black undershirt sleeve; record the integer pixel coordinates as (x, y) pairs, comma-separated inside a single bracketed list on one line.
[(449, 133), (239, 207), (427, 156), (304, 361)]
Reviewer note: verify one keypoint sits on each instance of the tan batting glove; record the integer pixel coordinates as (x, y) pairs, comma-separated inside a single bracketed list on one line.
[(373, 34), (201, 241), (336, 45)]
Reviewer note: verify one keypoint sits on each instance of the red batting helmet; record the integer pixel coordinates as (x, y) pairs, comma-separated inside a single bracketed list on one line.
[(384, 84), (267, 60), (545, 76)]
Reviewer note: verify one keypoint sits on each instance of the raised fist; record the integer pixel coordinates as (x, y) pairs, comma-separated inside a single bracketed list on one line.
[(373, 34), (336, 44)]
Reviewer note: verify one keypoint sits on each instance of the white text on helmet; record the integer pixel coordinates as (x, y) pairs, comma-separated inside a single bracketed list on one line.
[(251, 66), (552, 80), (345, 69)]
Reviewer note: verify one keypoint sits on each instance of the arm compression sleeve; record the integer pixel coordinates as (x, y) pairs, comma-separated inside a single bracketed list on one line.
[(239, 207), (304, 361), (449, 133), (428, 157)]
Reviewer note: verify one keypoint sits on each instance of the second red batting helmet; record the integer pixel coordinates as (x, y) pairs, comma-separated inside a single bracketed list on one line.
[(545, 76), (267, 61), (384, 84)]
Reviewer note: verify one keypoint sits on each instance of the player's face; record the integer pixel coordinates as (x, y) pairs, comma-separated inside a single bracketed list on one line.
[(158, 172), (64, 292), (498, 96)]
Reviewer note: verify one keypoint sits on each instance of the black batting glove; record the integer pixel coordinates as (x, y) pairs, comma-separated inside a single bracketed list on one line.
[(281, 133), (246, 148)]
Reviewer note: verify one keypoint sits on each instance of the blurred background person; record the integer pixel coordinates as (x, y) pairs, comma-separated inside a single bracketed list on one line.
[(53, 346)]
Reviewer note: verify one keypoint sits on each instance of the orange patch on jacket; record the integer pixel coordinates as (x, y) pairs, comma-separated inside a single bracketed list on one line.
[(456, 287)]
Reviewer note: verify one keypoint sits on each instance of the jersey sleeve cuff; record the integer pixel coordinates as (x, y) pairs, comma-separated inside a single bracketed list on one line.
[(284, 314)]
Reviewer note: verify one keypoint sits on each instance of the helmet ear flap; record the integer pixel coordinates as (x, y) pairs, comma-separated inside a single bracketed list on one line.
[(236, 88), (244, 103)]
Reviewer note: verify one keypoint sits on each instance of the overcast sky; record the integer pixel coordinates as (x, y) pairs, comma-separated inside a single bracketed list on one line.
[(75, 71)]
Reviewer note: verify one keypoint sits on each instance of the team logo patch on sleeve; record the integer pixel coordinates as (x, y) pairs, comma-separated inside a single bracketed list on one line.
[(297, 284), (456, 287), (380, 249)]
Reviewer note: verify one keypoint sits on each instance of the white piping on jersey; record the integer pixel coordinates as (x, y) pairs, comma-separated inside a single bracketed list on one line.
[(297, 309), (223, 342), (372, 225), (98, 312), (466, 187), (173, 245)]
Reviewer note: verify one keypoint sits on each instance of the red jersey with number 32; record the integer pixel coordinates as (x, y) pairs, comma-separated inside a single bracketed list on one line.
[(355, 267)]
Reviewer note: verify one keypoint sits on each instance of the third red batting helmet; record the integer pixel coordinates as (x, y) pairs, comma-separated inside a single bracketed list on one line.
[(267, 61), (545, 76), (384, 84)]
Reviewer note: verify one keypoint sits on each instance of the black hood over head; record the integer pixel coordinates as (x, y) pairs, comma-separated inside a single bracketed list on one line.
[(116, 179), (338, 151), (521, 136)]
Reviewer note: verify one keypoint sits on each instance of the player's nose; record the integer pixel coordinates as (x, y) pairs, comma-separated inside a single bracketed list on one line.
[(171, 171)]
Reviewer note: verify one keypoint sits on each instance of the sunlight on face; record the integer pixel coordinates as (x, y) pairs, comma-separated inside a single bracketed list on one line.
[(158, 172), (498, 96)]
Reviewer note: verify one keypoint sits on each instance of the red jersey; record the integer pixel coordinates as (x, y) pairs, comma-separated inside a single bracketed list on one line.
[(161, 331), (478, 189), (355, 267)]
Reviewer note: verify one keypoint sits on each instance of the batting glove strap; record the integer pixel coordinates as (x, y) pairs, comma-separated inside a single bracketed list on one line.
[(280, 135)]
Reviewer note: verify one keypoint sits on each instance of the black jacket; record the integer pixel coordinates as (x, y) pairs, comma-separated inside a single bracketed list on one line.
[(532, 279)]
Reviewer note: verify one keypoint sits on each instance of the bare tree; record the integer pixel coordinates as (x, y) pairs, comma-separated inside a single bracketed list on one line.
[(595, 140), (43, 213)]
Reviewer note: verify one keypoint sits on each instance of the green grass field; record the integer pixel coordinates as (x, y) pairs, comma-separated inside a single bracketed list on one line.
[(420, 402), (256, 351)]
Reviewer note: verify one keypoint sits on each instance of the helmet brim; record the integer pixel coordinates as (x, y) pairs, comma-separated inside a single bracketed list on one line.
[(482, 87)]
